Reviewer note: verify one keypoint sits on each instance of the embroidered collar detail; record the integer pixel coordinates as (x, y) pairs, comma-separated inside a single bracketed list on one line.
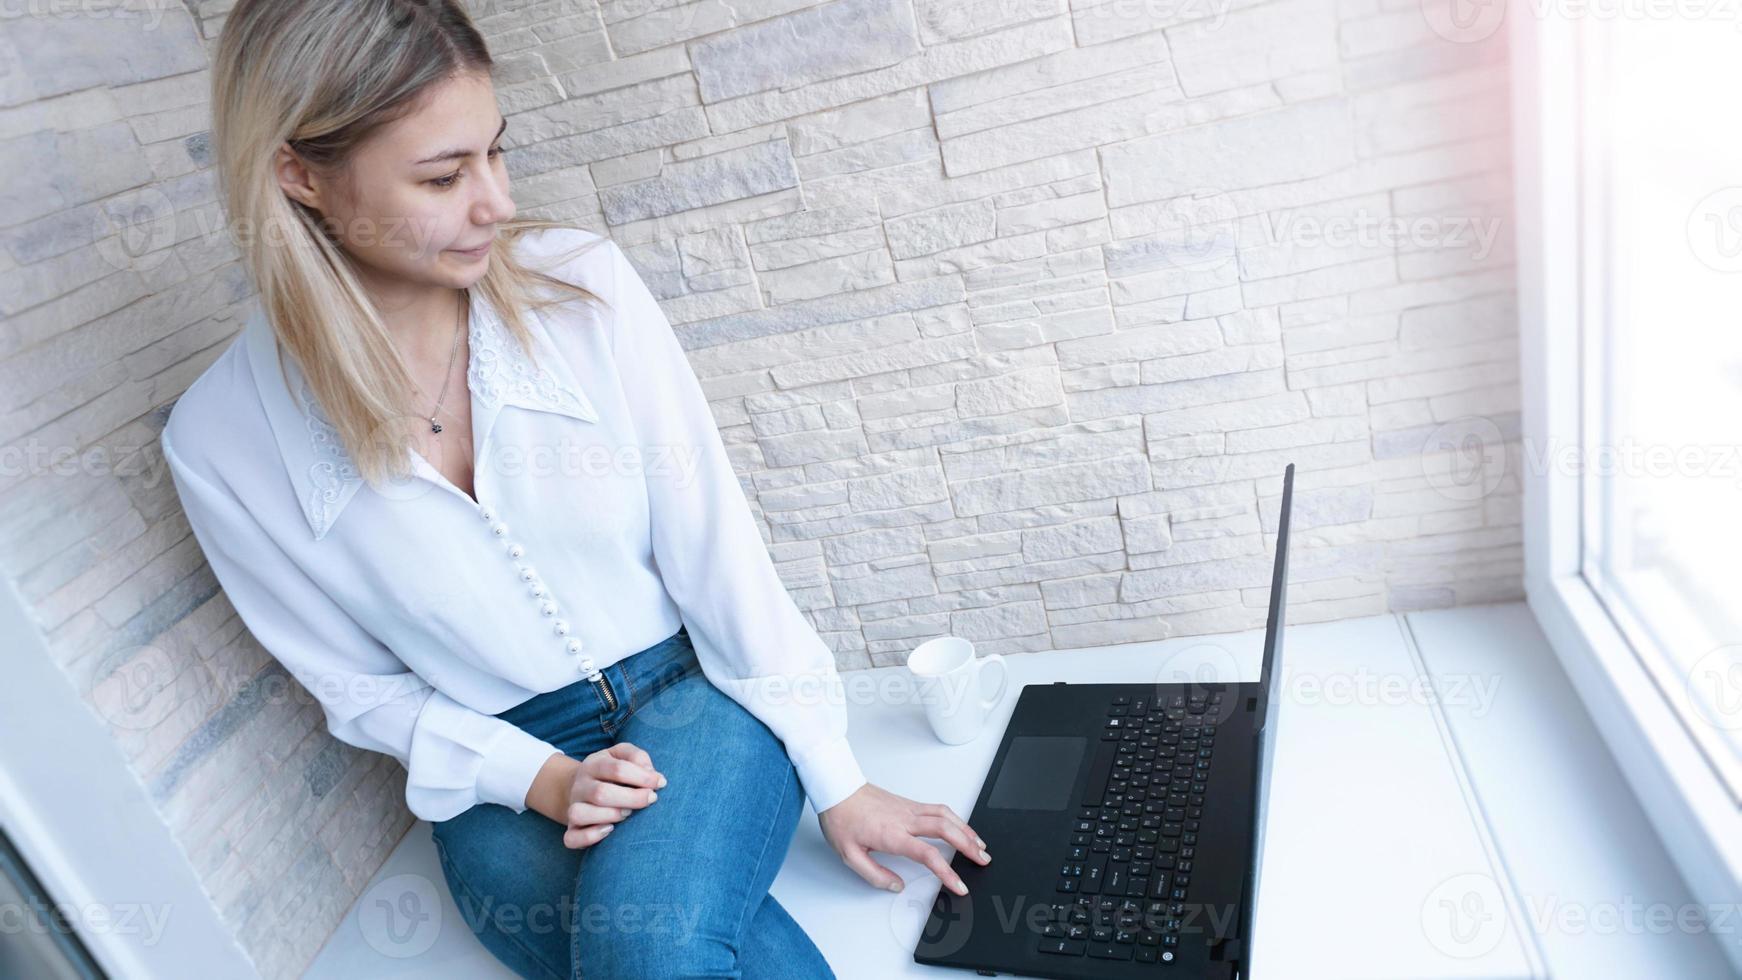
[(498, 373)]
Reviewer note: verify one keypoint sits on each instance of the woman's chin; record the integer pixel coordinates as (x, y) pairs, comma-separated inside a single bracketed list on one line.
[(460, 272)]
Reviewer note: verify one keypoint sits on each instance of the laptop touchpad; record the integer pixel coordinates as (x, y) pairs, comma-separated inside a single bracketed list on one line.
[(1039, 772)]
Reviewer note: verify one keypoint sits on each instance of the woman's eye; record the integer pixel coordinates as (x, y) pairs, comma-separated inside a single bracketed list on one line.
[(453, 178)]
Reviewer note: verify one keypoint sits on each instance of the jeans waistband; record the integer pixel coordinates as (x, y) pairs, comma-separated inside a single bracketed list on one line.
[(561, 713)]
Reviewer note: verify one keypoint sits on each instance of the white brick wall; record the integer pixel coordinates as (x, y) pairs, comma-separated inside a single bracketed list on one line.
[(1011, 312)]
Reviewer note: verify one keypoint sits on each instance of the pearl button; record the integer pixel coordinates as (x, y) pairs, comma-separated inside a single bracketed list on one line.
[(561, 626), (547, 607), (515, 551), (500, 529), (574, 646), (487, 512), (528, 573), (538, 590)]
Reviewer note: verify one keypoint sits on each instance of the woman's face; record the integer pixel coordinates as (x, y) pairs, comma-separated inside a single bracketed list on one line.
[(420, 191)]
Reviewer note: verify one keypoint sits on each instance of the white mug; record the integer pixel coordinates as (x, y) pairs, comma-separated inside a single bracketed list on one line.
[(948, 675)]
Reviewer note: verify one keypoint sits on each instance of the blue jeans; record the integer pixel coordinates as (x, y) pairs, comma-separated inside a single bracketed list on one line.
[(680, 887)]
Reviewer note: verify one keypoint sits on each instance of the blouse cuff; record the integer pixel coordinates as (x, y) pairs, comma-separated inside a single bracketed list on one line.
[(460, 757), (512, 764), (828, 771)]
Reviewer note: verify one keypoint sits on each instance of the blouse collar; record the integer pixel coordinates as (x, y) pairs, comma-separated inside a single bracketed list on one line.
[(498, 373)]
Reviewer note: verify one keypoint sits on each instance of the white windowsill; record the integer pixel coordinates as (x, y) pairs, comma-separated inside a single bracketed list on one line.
[(1544, 816), (1682, 795)]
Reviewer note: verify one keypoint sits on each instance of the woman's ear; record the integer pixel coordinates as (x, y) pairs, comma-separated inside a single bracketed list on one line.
[(295, 177)]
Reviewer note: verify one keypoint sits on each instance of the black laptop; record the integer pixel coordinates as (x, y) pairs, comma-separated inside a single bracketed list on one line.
[(1127, 824)]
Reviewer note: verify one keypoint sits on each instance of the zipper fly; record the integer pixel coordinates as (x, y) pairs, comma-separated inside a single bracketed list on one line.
[(604, 687)]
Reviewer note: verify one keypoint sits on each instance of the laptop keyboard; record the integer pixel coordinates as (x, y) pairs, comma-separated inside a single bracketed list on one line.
[(1126, 872)]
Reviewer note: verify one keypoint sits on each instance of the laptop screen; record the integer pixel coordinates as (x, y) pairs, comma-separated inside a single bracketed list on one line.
[(1270, 688)]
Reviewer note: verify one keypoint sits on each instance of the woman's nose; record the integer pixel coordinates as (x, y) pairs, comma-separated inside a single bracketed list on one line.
[(494, 205)]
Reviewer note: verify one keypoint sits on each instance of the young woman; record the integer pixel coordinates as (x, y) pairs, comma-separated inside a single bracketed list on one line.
[(457, 477)]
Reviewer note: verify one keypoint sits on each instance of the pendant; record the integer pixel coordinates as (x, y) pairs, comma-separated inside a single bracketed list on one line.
[(434, 426)]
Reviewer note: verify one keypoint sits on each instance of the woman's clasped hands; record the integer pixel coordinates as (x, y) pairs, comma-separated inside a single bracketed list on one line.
[(608, 786)]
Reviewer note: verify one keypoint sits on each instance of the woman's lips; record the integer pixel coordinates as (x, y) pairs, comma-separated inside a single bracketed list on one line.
[(476, 253)]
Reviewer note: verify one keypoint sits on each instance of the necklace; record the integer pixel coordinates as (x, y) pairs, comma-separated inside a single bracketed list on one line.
[(435, 426)]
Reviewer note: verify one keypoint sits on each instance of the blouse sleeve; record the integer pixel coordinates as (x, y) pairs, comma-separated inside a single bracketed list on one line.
[(750, 638), (453, 755)]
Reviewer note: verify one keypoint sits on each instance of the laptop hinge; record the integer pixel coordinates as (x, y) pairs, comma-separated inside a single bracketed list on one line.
[(1228, 956)]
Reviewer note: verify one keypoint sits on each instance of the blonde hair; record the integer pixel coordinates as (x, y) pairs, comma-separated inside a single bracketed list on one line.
[(323, 77)]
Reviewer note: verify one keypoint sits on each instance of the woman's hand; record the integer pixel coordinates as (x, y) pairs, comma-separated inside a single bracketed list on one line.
[(874, 819), (608, 785)]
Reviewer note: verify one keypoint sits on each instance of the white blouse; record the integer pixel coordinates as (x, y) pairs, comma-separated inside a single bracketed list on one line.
[(607, 515)]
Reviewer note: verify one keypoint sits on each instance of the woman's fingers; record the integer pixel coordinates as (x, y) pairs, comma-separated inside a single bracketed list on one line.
[(942, 810), (933, 859), (603, 793), (586, 814), (860, 861), (917, 850), (881, 821), (615, 782), (622, 763), (628, 773), (578, 837), (957, 835), (632, 753)]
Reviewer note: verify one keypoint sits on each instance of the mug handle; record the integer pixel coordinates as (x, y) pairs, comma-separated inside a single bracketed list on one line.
[(989, 660)]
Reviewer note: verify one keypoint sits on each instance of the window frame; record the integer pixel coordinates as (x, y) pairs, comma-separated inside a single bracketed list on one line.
[(82, 820), (1682, 793)]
